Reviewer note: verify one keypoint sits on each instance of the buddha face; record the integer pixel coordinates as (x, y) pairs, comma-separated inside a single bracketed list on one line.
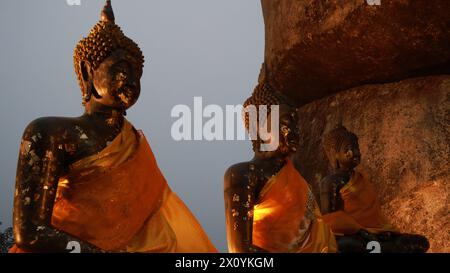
[(289, 132), (348, 156), (116, 81)]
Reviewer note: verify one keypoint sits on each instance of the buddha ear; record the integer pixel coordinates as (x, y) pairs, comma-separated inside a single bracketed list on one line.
[(87, 77), (335, 164), (349, 154), (86, 71)]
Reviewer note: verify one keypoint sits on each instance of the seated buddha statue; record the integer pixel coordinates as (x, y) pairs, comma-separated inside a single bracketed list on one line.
[(93, 179), (269, 206), (350, 205)]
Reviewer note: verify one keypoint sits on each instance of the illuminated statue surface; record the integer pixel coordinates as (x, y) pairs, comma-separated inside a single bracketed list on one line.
[(350, 205), (269, 207), (93, 179)]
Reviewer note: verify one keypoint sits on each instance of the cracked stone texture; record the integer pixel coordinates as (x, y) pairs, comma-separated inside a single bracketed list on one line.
[(317, 48), (404, 137)]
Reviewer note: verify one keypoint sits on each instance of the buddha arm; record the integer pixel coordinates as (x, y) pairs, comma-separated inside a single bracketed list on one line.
[(38, 171), (239, 203), (330, 186), (328, 195), (325, 196)]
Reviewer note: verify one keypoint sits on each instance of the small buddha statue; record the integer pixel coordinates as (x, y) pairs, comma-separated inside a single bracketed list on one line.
[(268, 204), (93, 179), (350, 205)]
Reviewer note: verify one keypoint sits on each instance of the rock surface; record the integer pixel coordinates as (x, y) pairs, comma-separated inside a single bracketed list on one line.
[(317, 48), (404, 136)]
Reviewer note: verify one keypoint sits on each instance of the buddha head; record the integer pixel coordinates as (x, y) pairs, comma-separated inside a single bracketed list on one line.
[(342, 148), (288, 135), (108, 64)]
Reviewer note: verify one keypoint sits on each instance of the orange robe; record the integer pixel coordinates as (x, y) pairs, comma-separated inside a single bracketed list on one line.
[(118, 200), (361, 209), (287, 218)]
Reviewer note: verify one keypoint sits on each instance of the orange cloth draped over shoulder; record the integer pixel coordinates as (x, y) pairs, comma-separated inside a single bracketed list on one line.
[(118, 200), (361, 209), (286, 217)]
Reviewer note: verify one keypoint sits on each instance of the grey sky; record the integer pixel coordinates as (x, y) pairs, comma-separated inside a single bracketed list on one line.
[(208, 48)]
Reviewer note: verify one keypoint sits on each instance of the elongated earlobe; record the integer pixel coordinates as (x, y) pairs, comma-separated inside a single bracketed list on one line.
[(85, 70), (336, 164), (88, 85)]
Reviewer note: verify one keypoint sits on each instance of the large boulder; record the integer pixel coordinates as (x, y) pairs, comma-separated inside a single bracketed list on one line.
[(404, 136), (317, 48)]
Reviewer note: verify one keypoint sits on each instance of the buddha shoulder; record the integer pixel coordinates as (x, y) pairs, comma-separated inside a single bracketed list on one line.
[(51, 130)]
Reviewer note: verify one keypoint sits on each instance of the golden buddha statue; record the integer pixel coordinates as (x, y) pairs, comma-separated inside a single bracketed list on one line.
[(350, 204), (269, 206), (94, 179)]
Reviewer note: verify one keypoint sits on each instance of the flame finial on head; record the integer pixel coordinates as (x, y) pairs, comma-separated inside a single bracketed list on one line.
[(107, 12)]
